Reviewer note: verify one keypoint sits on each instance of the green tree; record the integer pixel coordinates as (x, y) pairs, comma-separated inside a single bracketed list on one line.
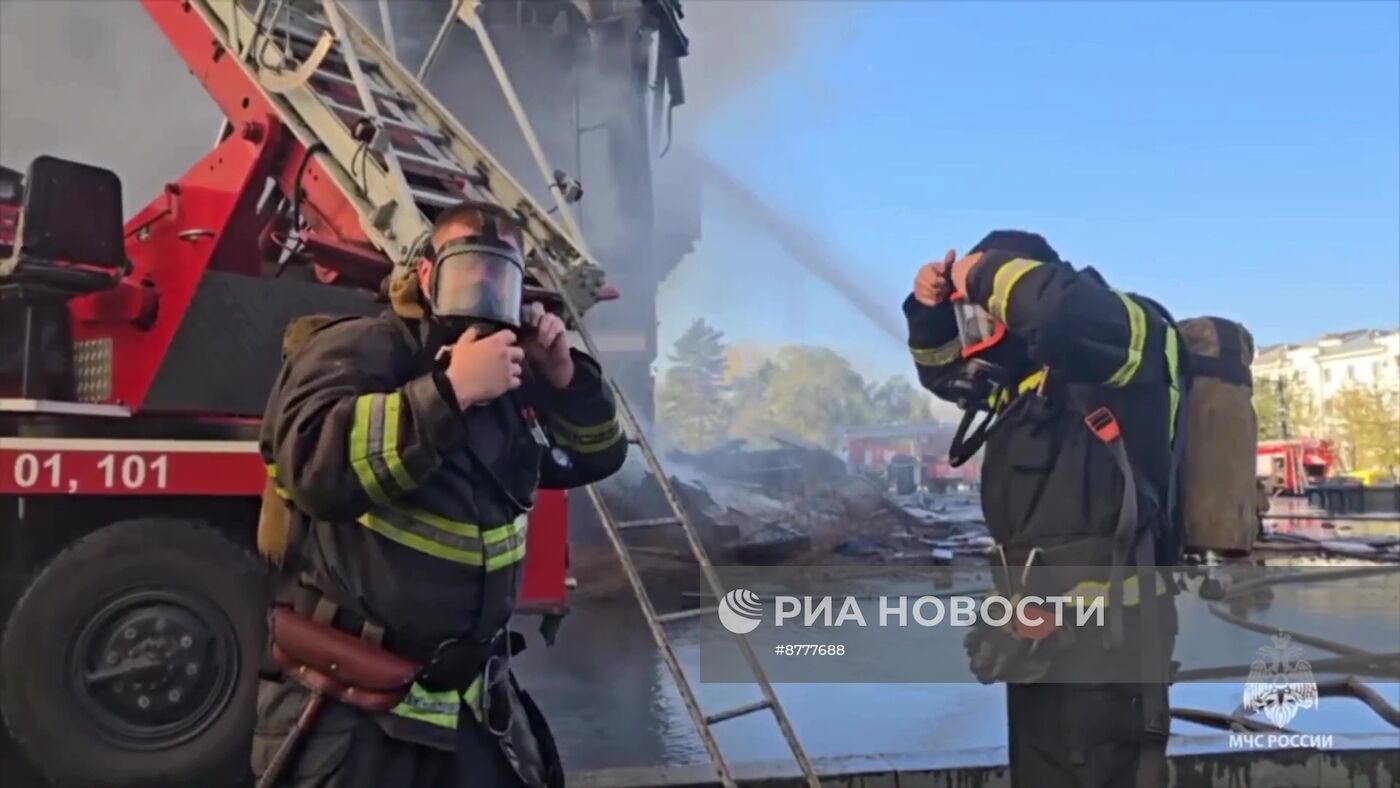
[(1282, 404), (1368, 422), (1268, 406), (692, 396), (754, 418), (896, 401), (809, 391)]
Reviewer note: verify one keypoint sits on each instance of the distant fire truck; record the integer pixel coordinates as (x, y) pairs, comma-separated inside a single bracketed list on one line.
[(875, 450), (1288, 467)]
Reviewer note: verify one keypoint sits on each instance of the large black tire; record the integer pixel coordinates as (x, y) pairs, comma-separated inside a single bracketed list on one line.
[(173, 614)]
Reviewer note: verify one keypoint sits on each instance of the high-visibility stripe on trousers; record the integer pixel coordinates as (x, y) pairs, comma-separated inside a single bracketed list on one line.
[(439, 708)]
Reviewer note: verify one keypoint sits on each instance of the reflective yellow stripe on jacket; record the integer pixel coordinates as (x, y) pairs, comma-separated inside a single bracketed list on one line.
[(1137, 337), (946, 353), (585, 439), (1005, 281), (450, 540), (1137, 341), (1173, 369), (374, 447)]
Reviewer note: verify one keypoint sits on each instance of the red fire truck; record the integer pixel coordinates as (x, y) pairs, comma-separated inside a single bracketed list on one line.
[(1288, 466), (875, 449), (135, 359)]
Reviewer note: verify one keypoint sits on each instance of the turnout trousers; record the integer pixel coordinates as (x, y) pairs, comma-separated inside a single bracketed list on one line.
[(1083, 736), (1072, 733), (347, 748)]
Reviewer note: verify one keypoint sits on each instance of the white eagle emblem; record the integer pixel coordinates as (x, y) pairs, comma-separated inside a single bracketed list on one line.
[(1280, 682)]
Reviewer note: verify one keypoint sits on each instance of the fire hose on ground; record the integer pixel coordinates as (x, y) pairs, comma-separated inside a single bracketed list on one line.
[(1351, 659)]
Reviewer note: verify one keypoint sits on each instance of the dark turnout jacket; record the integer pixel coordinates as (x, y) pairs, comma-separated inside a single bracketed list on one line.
[(1047, 480), (415, 506)]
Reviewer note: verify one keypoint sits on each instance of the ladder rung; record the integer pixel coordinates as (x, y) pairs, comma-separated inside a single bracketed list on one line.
[(665, 553), (649, 523), (434, 199), (426, 166), (389, 123), (346, 82), (682, 615), (314, 16), (306, 41), (303, 35), (737, 711)]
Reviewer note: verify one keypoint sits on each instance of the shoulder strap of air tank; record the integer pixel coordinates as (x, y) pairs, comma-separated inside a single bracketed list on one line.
[(1155, 662), (1126, 534), (1179, 361), (1151, 639)]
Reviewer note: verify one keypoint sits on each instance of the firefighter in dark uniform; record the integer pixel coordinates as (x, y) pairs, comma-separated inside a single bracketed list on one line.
[(1073, 389), (410, 447)]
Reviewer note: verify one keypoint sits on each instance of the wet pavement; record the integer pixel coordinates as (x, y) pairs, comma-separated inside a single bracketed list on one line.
[(612, 703)]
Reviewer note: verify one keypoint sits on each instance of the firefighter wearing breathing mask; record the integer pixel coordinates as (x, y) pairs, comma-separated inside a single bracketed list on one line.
[(409, 448), (1071, 389)]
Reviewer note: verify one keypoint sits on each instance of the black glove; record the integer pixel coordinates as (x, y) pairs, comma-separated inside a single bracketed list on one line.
[(997, 654)]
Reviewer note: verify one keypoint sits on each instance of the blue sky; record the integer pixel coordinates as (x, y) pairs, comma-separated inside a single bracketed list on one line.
[(1238, 159)]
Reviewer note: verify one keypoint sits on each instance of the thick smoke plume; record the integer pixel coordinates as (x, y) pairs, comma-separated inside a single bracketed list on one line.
[(734, 43)]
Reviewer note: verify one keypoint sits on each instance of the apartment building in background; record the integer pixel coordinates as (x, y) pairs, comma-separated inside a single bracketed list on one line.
[(1321, 368)]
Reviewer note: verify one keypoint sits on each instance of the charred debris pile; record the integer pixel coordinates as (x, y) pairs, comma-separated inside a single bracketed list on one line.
[(797, 504)]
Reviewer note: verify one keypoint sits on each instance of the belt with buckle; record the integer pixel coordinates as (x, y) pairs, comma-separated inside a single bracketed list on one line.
[(453, 663)]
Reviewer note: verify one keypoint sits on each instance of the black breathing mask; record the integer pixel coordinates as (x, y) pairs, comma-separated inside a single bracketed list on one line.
[(477, 283), (988, 357), (992, 359)]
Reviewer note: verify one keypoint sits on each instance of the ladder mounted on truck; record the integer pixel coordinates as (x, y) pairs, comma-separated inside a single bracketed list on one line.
[(395, 153), (657, 623), (398, 157)]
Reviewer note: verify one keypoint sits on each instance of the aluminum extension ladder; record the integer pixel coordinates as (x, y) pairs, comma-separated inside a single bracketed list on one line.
[(465, 12), (401, 156), (657, 623), (384, 138)]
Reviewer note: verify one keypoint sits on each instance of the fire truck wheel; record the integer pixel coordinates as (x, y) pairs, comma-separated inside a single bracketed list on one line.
[(132, 658)]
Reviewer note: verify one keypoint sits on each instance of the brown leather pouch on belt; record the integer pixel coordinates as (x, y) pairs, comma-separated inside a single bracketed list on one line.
[(327, 660)]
